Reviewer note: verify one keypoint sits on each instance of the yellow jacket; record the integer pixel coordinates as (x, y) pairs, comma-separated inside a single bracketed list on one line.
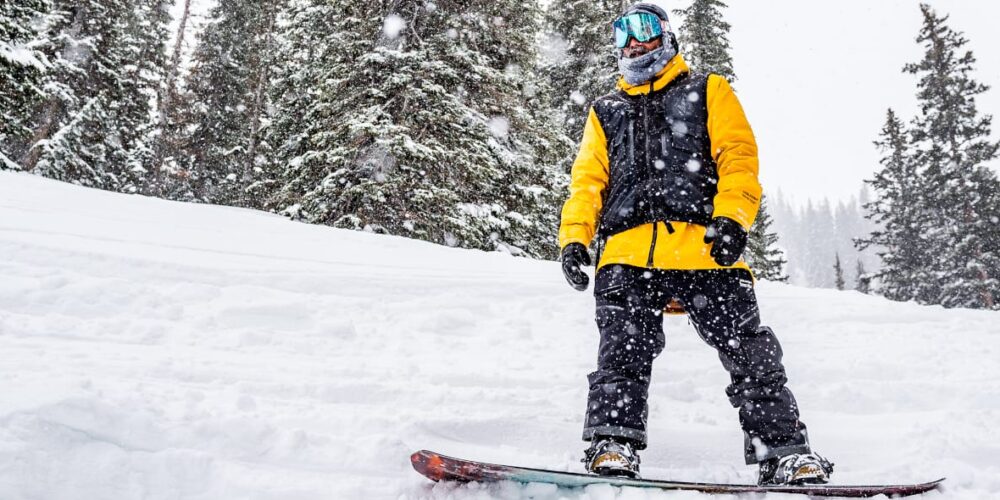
[(735, 153)]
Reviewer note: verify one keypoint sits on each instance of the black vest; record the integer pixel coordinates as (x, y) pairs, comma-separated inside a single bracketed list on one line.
[(660, 157)]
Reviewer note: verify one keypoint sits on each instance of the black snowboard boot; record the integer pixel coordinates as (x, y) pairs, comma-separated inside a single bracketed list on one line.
[(609, 456), (794, 469)]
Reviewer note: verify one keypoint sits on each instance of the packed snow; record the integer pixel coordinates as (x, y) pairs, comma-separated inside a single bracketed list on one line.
[(160, 350)]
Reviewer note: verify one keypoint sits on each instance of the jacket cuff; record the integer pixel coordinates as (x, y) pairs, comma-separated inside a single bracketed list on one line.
[(574, 234), (744, 219)]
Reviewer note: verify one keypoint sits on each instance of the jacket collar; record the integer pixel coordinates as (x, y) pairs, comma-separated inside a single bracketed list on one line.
[(676, 67)]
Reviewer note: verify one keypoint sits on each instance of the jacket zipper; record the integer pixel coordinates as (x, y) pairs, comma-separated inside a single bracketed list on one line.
[(652, 246), (649, 168)]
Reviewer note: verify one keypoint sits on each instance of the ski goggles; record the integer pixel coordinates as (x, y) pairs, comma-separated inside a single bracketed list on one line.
[(642, 26)]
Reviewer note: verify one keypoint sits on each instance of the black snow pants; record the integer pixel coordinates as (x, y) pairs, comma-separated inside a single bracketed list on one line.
[(723, 308)]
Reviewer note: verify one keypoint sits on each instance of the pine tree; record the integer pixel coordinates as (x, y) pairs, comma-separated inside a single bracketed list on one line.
[(838, 273), (146, 32), (92, 125), (899, 212), (171, 165), (580, 64), (433, 128), (762, 253), (862, 280), (953, 148), (22, 66), (868, 256), (311, 38), (226, 105), (819, 242), (173, 68), (704, 38), (787, 221)]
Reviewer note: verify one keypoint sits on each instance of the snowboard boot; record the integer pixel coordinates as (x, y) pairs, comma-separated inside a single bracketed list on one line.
[(609, 456), (795, 469)]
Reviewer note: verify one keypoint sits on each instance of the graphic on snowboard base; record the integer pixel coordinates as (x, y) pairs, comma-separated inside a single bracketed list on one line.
[(443, 468)]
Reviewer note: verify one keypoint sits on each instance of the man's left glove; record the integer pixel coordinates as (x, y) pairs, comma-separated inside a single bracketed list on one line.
[(575, 256), (728, 239)]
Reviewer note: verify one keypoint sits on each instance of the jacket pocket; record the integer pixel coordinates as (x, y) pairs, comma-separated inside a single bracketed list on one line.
[(612, 281), (687, 136), (746, 313), (610, 291)]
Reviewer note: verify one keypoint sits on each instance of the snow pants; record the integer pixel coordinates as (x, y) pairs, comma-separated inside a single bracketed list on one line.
[(723, 308)]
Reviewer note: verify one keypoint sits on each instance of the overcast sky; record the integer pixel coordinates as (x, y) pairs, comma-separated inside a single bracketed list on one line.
[(816, 79)]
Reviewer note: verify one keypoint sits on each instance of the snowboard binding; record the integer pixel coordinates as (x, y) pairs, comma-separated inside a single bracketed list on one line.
[(795, 469), (608, 456)]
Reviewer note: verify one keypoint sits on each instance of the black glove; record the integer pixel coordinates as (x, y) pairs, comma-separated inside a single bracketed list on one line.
[(728, 239), (575, 256)]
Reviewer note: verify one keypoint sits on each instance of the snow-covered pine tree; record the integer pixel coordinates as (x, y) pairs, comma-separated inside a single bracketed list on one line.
[(578, 57), (953, 147), (704, 38), (91, 126), (431, 127), (170, 163), (849, 224), (838, 273), (762, 253), (902, 219), (146, 35), (868, 256), (22, 66), (173, 68), (819, 243), (304, 92), (862, 280), (227, 102)]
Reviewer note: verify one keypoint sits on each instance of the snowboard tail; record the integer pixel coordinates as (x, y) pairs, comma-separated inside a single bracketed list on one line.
[(439, 467)]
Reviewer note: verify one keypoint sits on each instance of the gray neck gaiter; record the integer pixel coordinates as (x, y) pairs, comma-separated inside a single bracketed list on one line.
[(636, 70)]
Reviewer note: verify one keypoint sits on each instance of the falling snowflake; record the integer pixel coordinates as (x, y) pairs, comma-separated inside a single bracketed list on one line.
[(393, 26), (499, 127)]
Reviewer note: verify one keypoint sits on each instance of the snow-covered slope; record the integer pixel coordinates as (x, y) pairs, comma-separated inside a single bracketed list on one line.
[(158, 350)]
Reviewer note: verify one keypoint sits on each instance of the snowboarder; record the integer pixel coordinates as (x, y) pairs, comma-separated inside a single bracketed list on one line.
[(666, 184)]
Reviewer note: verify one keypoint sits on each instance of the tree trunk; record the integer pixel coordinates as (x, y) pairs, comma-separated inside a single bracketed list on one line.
[(167, 104), (260, 92)]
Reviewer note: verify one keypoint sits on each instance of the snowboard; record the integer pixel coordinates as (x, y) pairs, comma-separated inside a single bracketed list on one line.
[(443, 468)]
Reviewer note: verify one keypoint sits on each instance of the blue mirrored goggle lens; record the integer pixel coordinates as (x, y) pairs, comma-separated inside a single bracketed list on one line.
[(643, 26)]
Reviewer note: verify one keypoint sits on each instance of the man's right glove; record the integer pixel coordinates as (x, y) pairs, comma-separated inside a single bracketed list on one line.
[(728, 239), (575, 256)]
